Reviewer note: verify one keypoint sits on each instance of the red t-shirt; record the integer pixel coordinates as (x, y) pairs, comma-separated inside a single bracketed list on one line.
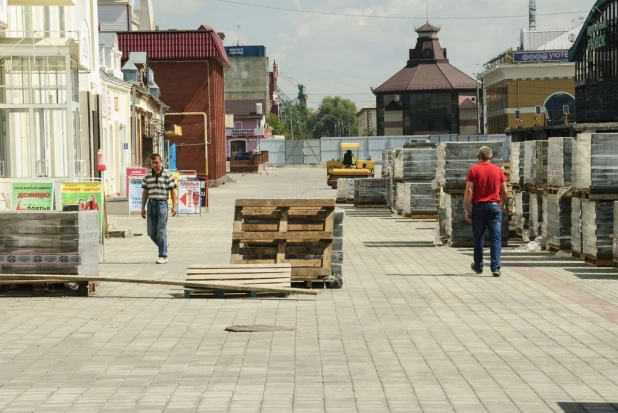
[(487, 179)]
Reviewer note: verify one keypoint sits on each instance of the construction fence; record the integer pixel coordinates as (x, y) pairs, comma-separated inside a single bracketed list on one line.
[(315, 151)]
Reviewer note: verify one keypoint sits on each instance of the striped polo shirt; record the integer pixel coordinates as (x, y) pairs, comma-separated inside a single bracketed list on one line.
[(158, 186)]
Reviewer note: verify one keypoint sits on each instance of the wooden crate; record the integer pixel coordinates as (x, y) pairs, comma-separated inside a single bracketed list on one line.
[(274, 275), (298, 232)]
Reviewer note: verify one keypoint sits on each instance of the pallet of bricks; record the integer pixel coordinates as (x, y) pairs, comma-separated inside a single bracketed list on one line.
[(454, 161), (595, 183), (557, 200), (50, 243), (305, 233), (521, 198), (345, 190), (414, 171), (370, 192), (388, 157), (535, 180)]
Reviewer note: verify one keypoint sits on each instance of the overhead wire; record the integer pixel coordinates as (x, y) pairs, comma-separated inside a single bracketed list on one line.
[(374, 16)]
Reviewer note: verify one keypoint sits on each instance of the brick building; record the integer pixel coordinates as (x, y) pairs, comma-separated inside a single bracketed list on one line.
[(428, 96), (189, 69)]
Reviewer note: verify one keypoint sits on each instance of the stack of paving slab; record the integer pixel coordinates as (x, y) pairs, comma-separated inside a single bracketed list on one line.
[(387, 163), (414, 171), (458, 231), (595, 182), (57, 243), (345, 190), (337, 258), (454, 161), (535, 179), (370, 192), (521, 196), (456, 158), (557, 196), (395, 203)]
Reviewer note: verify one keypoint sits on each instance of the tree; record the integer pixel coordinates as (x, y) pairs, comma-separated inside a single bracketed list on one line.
[(297, 119), (277, 125), (335, 116)]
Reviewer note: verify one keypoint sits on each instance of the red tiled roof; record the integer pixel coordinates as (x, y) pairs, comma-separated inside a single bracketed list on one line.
[(174, 45), (433, 76)]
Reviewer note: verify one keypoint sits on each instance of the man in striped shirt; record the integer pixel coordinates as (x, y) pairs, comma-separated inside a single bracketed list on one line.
[(155, 188)]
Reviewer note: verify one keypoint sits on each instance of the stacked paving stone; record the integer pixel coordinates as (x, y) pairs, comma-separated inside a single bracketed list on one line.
[(337, 258), (415, 163), (576, 226), (514, 158), (557, 204), (560, 154), (393, 183), (345, 190), (558, 215), (535, 179), (598, 230), (595, 175), (521, 196), (49, 242), (456, 158), (387, 163), (419, 199), (370, 192)]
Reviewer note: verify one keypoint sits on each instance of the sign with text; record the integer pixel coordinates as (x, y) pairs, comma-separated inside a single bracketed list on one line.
[(32, 196), (134, 172), (189, 197), (88, 195), (544, 56), (135, 192), (245, 51)]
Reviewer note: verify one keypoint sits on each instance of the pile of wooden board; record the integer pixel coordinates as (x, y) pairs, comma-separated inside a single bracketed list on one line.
[(298, 232)]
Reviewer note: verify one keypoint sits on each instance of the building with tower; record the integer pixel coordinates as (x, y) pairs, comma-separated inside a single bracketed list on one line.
[(427, 96)]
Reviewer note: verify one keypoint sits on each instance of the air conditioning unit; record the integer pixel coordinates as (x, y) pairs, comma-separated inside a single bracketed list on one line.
[(258, 108)]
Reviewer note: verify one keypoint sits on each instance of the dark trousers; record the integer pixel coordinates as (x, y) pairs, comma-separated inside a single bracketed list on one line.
[(487, 216)]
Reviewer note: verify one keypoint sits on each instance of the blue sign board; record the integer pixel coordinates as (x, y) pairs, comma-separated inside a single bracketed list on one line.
[(245, 51), (541, 56)]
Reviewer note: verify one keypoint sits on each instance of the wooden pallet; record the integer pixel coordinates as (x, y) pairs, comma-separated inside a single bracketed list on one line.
[(421, 216), (42, 288), (344, 201), (595, 196), (381, 206), (274, 275), (578, 255), (597, 262), (298, 232), (555, 248)]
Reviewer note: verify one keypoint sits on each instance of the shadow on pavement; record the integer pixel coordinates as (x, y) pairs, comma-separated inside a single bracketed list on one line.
[(570, 407)]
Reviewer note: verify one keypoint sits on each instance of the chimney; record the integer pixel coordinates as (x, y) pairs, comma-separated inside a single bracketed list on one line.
[(221, 36), (532, 12)]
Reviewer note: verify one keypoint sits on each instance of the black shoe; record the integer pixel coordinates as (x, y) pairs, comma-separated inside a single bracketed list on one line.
[(475, 270), (496, 273)]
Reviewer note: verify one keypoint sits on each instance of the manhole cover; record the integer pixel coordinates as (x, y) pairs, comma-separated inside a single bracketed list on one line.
[(257, 329)]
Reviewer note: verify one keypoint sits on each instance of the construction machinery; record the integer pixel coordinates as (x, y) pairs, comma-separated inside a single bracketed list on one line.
[(348, 165)]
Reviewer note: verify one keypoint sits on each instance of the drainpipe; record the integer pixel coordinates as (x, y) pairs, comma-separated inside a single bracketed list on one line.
[(133, 125)]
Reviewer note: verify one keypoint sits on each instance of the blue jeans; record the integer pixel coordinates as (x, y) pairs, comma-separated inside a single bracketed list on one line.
[(157, 225), (487, 216)]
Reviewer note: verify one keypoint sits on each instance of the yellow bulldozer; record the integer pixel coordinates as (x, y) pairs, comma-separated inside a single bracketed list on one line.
[(348, 165)]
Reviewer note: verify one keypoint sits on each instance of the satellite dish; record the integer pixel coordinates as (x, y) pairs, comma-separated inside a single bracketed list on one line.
[(571, 37)]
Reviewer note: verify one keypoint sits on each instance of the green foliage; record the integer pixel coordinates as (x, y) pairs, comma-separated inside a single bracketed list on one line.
[(277, 125), (336, 116)]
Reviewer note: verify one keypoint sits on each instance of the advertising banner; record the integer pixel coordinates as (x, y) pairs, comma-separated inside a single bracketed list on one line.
[(542, 56), (88, 195), (176, 176), (134, 172), (135, 193), (32, 196), (189, 197), (6, 196)]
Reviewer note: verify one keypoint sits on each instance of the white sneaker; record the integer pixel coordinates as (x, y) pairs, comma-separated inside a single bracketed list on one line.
[(162, 260)]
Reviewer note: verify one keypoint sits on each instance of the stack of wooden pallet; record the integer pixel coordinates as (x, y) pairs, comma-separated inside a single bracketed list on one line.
[(298, 232)]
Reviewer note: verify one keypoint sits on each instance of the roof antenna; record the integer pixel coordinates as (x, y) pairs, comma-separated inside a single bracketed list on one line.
[(238, 26), (427, 9)]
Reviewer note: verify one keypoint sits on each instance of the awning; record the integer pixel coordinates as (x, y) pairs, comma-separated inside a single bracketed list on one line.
[(41, 3)]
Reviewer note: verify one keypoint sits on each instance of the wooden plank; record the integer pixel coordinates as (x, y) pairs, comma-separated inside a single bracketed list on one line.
[(195, 274), (285, 202), (249, 270), (283, 224), (317, 272), (289, 236), (150, 281), (246, 282), (280, 259), (275, 214), (275, 227), (238, 219)]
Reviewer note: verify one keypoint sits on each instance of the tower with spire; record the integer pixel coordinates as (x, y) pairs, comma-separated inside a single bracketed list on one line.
[(532, 15)]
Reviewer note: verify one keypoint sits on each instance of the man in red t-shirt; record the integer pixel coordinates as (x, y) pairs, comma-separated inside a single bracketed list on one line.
[(486, 190)]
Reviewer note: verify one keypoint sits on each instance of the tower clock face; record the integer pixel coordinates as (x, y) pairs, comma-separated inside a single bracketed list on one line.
[(427, 53)]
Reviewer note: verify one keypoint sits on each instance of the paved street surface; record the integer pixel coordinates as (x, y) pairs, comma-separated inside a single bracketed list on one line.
[(412, 330)]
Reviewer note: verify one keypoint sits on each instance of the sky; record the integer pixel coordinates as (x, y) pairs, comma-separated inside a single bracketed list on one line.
[(337, 55)]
